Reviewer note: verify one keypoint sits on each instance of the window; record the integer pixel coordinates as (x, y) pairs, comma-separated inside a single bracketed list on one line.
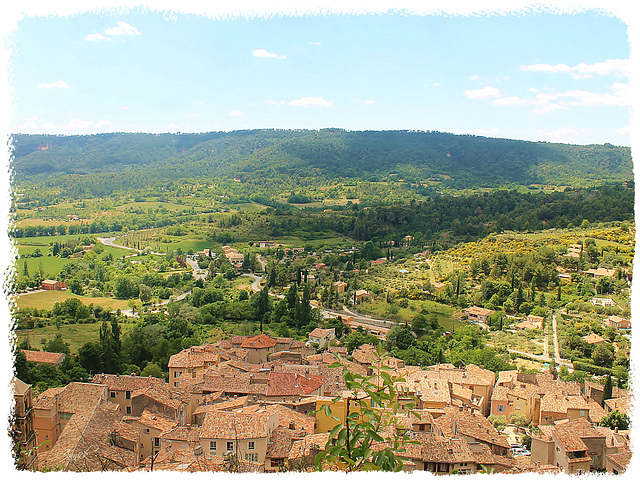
[(147, 430), (253, 457), (277, 462), (156, 442), (252, 445), (128, 410), (582, 413), (112, 394), (177, 374), (229, 446), (212, 445), (127, 395), (501, 408)]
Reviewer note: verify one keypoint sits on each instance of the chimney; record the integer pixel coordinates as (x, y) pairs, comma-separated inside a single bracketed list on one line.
[(292, 425)]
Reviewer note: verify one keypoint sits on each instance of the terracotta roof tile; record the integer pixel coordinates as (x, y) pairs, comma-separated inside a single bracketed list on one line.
[(43, 357), (281, 441), (287, 417), (182, 433), (236, 425), (620, 404), (259, 341), (621, 459), (73, 398), (303, 448), (438, 449), (455, 423), (154, 420), (85, 444), (126, 382), (287, 384)]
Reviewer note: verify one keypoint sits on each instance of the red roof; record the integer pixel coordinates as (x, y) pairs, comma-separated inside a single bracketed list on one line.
[(259, 341), (281, 383), (43, 357)]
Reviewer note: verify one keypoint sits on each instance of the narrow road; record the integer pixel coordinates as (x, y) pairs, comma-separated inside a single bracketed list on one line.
[(109, 241), (556, 346), (197, 272), (255, 286)]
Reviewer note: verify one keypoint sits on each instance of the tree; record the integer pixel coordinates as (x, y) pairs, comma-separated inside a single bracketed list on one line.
[(616, 419), (152, 370), (518, 419), (400, 337), (607, 393), (262, 305), (145, 293), (57, 345), (370, 438), (90, 357), (604, 355)]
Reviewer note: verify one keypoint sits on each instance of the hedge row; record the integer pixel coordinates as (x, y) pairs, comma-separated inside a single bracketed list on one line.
[(595, 369)]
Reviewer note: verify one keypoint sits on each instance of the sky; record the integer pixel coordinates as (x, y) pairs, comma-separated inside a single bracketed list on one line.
[(533, 76)]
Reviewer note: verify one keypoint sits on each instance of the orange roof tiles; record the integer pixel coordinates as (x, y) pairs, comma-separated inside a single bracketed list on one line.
[(73, 398), (238, 426), (85, 444), (454, 423), (155, 420), (259, 341), (286, 384), (43, 357), (126, 382)]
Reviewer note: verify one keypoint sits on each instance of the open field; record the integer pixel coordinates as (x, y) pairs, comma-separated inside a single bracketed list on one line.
[(47, 298), (249, 207), (75, 335), (520, 341), (153, 206)]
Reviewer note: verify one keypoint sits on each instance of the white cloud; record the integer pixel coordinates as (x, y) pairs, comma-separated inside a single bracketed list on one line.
[(616, 67), (486, 92), (28, 123), (75, 124), (235, 113), (261, 52), (626, 130), (95, 37), (123, 28), (273, 102), (475, 77), (311, 101), (125, 107), (369, 102), (315, 43), (58, 84), (102, 123), (618, 95)]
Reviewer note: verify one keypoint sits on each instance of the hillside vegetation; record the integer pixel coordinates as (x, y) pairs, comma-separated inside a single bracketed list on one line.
[(423, 159)]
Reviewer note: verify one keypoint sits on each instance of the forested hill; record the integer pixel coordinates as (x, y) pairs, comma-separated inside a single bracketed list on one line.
[(460, 161)]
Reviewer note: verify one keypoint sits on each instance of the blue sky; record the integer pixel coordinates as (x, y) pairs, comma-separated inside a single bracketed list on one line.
[(550, 77)]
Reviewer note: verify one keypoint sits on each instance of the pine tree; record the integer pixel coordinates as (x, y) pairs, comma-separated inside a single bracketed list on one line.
[(608, 389)]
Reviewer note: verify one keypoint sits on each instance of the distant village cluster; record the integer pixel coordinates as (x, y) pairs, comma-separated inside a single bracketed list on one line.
[(255, 404)]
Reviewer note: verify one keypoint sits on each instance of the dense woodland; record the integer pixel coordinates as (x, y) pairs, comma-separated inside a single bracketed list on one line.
[(458, 161)]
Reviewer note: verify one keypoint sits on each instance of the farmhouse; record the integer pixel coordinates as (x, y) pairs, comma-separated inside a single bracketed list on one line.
[(53, 285), (617, 322), (322, 336), (479, 314)]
